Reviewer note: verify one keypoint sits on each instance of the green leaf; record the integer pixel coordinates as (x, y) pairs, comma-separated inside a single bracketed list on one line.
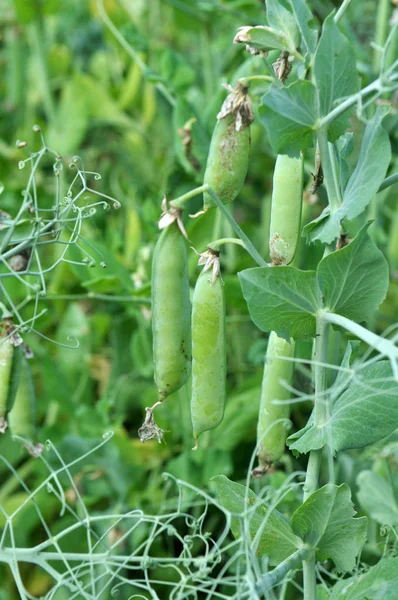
[(325, 522), (262, 38), (371, 169), (282, 20), (364, 413), (289, 114), (304, 17), (376, 497), (282, 299), (378, 583), (276, 540), (335, 73), (354, 280), (362, 185)]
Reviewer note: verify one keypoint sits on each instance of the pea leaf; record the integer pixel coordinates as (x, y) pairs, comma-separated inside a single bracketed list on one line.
[(378, 583), (289, 115), (282, 299), (276, 539), (364, 413), (326, 522), (282, 20), (369, 173), (304, 17), (335, 73), (362, 185), (354, 281), (376, 497)]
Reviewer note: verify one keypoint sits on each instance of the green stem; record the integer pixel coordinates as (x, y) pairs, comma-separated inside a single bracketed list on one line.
[(269, 580), (248, 245), (246, 80), (94, 296), (375, 86), (221, 242), (382, 345), (329, 170), (341, 11), (130, 50), (39, 40), (313, 467), (383, 14), (181, 200), (391, 180)]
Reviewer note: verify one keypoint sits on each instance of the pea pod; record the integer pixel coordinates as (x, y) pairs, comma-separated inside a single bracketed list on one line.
[(10, 369), (287, 194), (171, 313), (22, 416), (208, 354), (228, 158), (271, 434), (6, 355)]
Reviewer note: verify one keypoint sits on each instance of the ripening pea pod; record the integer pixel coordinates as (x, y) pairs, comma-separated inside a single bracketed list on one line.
[(171, 312), (10, 372), (6, 359), (287, 196), (271, 435), (229, 151), (208, 354), (22, 416)]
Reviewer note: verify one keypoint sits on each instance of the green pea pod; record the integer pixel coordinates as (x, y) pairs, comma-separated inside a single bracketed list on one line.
[(208, 354), (228, 158), (271, 435), (287, 194), (171, 312), (10, 371), (22, 416)]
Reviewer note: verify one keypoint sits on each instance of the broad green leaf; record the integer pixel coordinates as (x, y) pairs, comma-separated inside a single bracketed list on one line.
[(276, 540), (362, 185), (282, 20), (354, 280), (304, 17), (364, 413), (371, 168), (326, 522), (343, 148), (289, 114), (282, 299), (376, 497), (335, 73), (378, 583)]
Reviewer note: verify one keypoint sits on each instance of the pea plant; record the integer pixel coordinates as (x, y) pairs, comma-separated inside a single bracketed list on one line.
[(312, 93), (26, 238)]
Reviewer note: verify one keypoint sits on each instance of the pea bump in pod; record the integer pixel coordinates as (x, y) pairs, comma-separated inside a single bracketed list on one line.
[(171, 314), (229, 151), (208, 347), (273, 421)]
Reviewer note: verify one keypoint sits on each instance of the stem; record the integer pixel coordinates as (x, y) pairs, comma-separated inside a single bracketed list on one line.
[(375, 86), (320, 416), (329, 170), (130, 50), (181, 200), (39, 39), (341, 10), (275, 576), (246, 80), (391, 180), (221, 242), (248, 245), (95, 296), (383, 13), (382, 345)]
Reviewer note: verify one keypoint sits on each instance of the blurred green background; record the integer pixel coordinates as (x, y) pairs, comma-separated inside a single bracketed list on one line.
[(133, 87)]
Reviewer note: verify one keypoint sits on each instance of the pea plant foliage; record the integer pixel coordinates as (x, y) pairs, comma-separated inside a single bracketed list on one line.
[(316, 515)]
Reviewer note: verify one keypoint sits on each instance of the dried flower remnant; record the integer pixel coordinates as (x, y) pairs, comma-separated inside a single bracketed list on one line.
[(149, 430), (283, 66), (169, 215), (237, 103)]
